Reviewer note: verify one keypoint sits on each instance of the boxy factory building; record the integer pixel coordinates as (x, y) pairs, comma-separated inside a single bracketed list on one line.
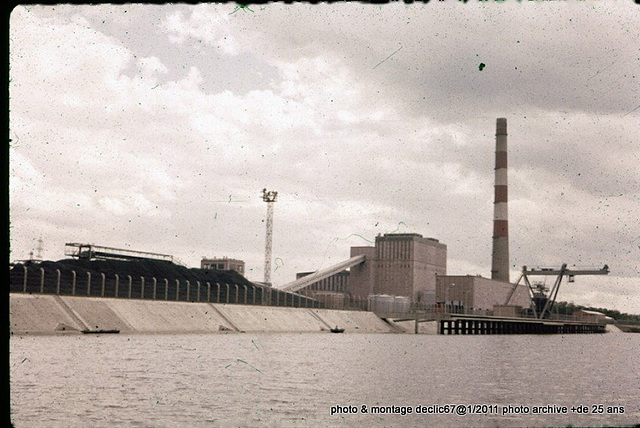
[(482, 295), (403, 264)]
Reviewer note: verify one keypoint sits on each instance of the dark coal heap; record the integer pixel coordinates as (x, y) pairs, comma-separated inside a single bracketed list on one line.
[(146, 268), (145, 279)]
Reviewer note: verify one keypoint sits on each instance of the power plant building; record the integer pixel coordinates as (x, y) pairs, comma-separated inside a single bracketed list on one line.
[(409, 265), (362, 277), (403, 264)]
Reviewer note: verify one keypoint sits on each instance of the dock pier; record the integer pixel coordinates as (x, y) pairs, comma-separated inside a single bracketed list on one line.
[(451, 323), (470, 324)]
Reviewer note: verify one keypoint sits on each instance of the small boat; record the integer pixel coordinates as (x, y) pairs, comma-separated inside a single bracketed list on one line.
[(337, 330), (113, 331)]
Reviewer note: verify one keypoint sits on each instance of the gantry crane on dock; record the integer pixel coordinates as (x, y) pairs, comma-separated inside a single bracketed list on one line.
[(541, 302)]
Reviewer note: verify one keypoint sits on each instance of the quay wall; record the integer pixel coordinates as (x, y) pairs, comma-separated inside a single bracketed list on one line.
[(53, 314)]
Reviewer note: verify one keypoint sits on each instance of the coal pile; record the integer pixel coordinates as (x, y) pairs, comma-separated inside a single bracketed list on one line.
[(144, 279)]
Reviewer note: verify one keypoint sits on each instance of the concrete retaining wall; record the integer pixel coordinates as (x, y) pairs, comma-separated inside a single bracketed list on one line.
[(39, 314), (353, 321), (48, 314), (150, 316), (269, 318), (94, 314)]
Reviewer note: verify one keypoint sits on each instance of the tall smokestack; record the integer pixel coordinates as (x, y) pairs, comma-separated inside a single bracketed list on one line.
[(500, 256)]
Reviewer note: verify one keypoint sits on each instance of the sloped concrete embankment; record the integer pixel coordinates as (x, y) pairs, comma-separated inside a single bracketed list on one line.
[(48, 314), (425, 327), (355, 321)]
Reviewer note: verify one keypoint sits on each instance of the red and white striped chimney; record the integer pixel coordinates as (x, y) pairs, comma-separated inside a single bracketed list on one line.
[(500, 256)]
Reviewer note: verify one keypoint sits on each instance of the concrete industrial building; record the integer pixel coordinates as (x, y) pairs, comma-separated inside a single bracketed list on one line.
[(467, 293), (223, 263), (400, 264), (404, 264)]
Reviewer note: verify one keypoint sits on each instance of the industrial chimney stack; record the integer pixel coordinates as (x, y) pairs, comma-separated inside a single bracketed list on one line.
[(500, 255)]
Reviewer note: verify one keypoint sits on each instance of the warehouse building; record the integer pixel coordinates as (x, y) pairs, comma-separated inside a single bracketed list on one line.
[(223, 263)]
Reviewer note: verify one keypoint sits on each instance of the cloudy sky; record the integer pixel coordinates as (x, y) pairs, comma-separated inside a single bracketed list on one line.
[(156, 127)]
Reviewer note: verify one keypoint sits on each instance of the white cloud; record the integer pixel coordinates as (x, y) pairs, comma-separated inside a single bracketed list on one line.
[(113, 206), (150, 67), (23, 176), (203, 24)]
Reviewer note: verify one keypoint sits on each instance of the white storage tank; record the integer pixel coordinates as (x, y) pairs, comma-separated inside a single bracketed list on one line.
[(401, 304), (387, 303), (381, 303)]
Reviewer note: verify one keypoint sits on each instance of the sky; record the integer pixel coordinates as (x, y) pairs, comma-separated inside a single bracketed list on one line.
[(156, 127)]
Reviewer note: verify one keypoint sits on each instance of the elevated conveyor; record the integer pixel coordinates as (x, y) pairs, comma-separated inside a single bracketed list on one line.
[(92, 252), (319, 275)]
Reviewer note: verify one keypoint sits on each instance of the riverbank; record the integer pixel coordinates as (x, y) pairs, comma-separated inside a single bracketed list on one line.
[(38, 314), (46, 314)]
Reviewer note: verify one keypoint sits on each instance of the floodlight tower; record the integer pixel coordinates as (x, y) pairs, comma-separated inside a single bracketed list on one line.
[(269, 197)]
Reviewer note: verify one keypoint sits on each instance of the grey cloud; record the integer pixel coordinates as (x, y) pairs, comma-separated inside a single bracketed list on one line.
[(391, 126)]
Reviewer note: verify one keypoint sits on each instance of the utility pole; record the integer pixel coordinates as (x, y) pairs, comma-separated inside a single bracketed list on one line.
[(269, 197), (39, 249)]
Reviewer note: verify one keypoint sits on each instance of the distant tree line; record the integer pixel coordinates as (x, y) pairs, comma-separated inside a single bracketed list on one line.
[(565, 308)]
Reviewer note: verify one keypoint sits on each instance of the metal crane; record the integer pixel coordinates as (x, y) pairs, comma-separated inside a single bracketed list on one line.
[(269, 197), (542, 303)]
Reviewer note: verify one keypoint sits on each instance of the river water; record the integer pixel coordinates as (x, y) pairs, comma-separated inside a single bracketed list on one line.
[(271, 379)]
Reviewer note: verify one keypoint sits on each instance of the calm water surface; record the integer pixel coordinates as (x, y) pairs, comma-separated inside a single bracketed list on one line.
[(295, 379)]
